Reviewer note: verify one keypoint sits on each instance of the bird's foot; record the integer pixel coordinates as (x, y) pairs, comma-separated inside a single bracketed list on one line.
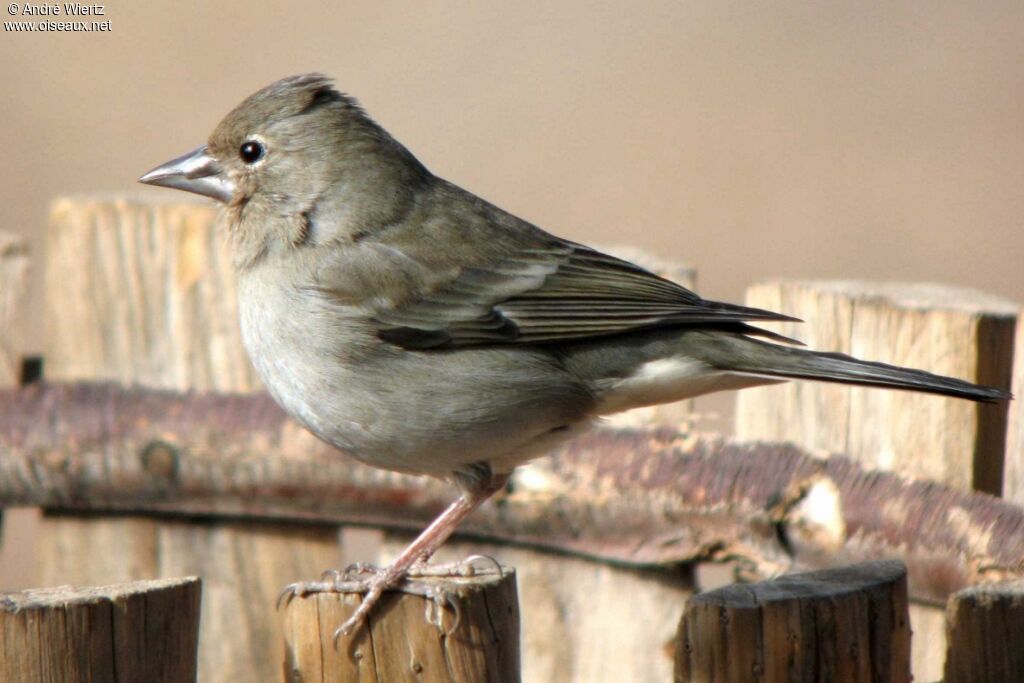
[(373, 581), (360, 577)]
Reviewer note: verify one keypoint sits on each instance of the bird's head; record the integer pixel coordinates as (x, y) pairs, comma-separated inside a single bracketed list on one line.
[(296, 152)]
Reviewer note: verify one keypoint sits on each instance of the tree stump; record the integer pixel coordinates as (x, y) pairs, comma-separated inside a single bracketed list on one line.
[(845, 624), (410, 637), (143, 631), (985, 632)]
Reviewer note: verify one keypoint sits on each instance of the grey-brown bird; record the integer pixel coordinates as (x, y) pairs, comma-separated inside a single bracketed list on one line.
[(421, 329)]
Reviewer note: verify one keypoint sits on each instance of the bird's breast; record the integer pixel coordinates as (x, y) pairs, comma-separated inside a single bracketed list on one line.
[(306, 352)]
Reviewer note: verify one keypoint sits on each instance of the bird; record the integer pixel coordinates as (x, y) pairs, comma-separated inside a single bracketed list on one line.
[(424, 330)]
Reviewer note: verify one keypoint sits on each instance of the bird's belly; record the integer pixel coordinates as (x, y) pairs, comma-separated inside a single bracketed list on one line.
[(421, 412)]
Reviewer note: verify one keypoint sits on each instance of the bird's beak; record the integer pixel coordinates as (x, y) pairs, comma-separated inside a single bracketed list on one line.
[(196, 172)]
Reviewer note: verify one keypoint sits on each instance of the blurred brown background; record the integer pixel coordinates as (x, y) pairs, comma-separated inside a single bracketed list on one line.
[(796, 138)]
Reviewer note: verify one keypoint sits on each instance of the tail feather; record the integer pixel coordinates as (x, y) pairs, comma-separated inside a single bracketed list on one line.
[(747, 356)]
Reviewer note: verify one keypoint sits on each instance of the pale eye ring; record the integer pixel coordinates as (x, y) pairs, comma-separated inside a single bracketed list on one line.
[(251, 151)]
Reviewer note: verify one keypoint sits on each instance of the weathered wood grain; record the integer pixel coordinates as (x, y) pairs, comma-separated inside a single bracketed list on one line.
[(142, 631), (844, 624), (946, 330), (141, 292)]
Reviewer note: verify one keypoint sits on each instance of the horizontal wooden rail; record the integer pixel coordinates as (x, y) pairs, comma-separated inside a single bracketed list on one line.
[(677, 497)]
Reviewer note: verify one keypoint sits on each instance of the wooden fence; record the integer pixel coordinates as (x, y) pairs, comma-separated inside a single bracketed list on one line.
[(154, 454)]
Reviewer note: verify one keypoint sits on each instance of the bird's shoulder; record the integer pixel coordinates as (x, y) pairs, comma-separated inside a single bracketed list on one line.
[(444, 236)]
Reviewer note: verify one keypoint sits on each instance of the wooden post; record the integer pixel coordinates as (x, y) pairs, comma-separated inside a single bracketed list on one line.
[(947, 330), (468, 634), (143, 293), (244, 566), (14, 265), (845, 624), (144, 631), (928, 644), (1013, 483), (985, 631)]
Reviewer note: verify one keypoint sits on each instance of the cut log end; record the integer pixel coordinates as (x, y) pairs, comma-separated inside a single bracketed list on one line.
[(845, 624), (467, 631), (985, 634), (139, 631)]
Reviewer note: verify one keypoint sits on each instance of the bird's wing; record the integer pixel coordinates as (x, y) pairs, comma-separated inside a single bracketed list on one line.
[(559, 291), (465, 273)]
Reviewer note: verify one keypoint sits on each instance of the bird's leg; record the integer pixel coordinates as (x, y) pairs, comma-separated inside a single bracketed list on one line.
[(418, 552)]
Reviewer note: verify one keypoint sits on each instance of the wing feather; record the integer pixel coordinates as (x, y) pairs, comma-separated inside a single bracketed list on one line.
[(564, 292)]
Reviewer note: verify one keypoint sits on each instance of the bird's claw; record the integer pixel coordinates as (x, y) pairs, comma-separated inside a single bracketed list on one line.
[(357, 568), (285, 597), (437, 600)]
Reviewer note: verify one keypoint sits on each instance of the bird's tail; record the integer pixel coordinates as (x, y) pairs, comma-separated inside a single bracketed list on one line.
[(745, 356)]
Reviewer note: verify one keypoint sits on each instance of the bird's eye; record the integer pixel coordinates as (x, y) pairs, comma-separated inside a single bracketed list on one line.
[(251, 151)]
